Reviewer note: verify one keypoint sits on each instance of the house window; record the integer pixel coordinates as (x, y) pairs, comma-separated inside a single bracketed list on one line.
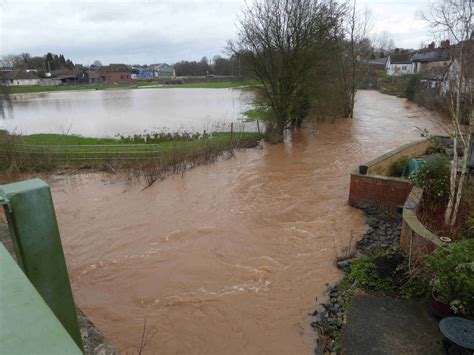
[(404, 67)]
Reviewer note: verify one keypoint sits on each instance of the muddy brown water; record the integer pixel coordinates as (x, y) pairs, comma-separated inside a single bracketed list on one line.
[(231, 257), (99, 113)]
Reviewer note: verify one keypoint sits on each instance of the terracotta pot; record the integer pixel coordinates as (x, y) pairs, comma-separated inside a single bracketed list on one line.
[(440, 309)]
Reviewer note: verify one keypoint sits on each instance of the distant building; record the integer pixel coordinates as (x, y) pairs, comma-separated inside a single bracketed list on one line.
[(68, 78), (399, 64), (378, 63), (89, 76), (115, 73), (427, 59), (434, 78), (142, 73), (18, 77), (163, 70)]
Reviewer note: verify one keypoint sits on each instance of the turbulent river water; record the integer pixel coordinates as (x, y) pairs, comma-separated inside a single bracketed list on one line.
[(230, 257)]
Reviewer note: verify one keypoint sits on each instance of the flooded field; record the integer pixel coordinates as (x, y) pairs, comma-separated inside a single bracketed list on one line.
[(231, 257), (106, 113)]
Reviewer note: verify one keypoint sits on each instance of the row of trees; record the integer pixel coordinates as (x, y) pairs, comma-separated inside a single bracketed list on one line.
[(47, 63), (232, 66)]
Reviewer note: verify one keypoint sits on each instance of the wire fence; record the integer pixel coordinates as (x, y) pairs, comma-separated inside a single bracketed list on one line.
[(65, 153)]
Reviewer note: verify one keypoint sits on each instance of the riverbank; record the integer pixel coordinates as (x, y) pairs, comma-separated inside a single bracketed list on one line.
[(133, 85), (148, 157), (379, 291)]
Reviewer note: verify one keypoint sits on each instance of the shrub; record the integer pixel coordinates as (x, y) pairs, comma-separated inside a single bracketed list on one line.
[(452, 269), (387, 272), (433, 177), (397, 167), (384, 272), (412, 87)]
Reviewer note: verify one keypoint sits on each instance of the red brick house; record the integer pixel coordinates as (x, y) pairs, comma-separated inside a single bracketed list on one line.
[(115, 73)]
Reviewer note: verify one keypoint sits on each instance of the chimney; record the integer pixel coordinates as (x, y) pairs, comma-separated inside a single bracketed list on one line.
[(445, 44), (432, 45)]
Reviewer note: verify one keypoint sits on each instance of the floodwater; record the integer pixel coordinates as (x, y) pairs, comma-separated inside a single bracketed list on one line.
[(106, 113), (231, 257)]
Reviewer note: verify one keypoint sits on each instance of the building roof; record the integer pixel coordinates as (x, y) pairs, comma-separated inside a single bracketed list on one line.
[(116, 67), (160, 65), (437, 55), (67, 76), (404, 58), (17, 74), (378, 62)]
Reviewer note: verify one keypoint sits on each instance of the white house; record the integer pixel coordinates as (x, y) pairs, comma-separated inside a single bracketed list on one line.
[(163, 70), (399, 64)]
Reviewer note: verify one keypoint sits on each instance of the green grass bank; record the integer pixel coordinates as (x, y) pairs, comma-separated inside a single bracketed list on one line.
[(134, 85), (148, 157)]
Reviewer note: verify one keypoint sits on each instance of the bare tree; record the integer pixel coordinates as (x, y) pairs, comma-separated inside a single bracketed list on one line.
[(454, 19), (280, 40), (354, 48), (383, 42)]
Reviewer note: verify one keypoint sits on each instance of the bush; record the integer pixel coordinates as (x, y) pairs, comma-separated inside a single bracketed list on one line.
[(384, 272), (433, 177), (412, 87), (387, 272), (397, 167), (452, 269)]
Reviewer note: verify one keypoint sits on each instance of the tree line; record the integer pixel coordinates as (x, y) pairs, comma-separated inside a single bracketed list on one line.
[(232, 66), (48, 63)]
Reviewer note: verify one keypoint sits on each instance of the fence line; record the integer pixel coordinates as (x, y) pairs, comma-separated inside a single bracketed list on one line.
[(81, 152)]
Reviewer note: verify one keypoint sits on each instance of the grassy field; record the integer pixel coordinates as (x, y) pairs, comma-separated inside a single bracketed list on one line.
[(134, 85), (150, 159)]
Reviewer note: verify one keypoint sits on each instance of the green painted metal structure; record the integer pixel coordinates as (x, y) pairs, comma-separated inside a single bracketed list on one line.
[(32, 222), (28, 326)]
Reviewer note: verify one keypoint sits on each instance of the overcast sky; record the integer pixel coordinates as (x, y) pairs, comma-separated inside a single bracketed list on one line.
[(142, 32)]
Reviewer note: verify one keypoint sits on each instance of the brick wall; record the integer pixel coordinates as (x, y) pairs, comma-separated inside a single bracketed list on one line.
[(414, 244), (415, 239), (373, 189)]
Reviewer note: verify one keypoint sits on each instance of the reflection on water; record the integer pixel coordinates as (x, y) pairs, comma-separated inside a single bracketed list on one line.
[(110, 112), (230, 257)]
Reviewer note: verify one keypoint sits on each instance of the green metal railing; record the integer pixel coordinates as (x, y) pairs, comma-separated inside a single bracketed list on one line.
[(28, 326), (34, 230)]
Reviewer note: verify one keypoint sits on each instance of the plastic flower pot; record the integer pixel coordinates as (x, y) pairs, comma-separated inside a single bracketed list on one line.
[(363, 169), (439, 308)]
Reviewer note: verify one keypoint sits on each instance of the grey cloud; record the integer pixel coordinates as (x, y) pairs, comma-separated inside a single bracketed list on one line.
[(139, 31)]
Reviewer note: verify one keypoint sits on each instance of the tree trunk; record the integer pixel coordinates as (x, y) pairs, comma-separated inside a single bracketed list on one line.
[(461, 182), (452, 182), (275, 132)]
